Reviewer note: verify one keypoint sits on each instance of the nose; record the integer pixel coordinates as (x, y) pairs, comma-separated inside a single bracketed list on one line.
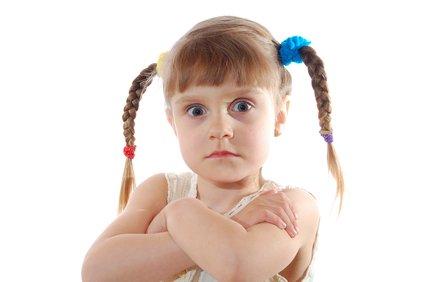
[(220, 127)]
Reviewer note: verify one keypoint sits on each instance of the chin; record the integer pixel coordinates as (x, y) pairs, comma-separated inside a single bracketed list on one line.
[(225, 176)]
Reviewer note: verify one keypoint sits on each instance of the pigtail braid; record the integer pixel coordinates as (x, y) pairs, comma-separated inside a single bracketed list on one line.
[(137, 89), (319, 83)]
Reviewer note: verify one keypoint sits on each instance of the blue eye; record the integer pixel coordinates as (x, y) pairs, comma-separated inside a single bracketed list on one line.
[(241, 106), (196, 111)]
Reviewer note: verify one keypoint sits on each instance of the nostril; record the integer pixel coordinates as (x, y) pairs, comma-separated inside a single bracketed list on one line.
[(221, 135), (220, 127)]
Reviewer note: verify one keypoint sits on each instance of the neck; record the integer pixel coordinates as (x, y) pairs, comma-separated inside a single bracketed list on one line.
[(221, 197)]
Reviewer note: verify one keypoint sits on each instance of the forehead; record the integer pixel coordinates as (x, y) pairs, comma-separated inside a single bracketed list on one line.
[(214, 59), (226, 90)]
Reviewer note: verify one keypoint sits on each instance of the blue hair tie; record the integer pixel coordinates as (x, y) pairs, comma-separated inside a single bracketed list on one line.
[(289, 49)]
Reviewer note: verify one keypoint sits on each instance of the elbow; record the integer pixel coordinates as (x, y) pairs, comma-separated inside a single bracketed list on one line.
[(87, 271), (238, 269), (236, 274), (225, 268), (230, 273), (90, 270)]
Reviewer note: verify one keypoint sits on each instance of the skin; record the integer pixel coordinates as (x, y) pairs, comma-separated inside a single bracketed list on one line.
[(207, 120), (224, 134), (242, 121)]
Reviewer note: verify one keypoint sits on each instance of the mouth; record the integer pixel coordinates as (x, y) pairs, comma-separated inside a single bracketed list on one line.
[(222, 154)]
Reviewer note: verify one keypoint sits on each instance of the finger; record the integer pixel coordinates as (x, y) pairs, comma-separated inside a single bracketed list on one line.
[(278, 203), (274, 219), (285, 202), (288, 208), (268, 192), (294, 211), (291, 228), (291, 213)]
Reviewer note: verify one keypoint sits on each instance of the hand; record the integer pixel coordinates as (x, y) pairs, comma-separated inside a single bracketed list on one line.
[(271, 206), (158, 224)]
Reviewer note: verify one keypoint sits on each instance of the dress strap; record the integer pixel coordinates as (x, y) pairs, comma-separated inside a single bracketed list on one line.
[(246, 200), (181, 185)]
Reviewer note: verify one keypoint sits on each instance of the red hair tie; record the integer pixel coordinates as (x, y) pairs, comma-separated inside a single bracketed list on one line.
[(129, 151)]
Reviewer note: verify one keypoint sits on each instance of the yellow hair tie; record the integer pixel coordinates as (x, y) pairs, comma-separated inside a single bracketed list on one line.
[(159, 63)]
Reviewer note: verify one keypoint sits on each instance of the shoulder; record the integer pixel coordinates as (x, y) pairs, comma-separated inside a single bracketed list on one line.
[(301, 196), (160, 189), (305, 204), (306, 207), (289, 255), (147, 200), (152, 193)]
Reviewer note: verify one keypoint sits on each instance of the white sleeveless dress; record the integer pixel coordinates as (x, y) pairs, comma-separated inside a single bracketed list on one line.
[(184, 185)]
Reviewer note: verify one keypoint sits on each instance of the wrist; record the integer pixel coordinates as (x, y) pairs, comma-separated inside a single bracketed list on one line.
[(236, 218)]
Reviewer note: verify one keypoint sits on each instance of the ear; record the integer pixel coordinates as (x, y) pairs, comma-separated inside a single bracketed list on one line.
[(281, 116), (170, 119)]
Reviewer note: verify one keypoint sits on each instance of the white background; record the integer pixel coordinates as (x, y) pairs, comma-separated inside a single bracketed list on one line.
[(65, 71)]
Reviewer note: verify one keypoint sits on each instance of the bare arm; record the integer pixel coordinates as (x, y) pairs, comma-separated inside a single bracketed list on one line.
[(229, 252), (123, 252)]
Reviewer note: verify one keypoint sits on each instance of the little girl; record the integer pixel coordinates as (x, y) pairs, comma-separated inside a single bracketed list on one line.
[(227, 94)]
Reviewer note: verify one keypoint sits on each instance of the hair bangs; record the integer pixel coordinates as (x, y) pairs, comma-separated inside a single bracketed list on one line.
[(210, 61)]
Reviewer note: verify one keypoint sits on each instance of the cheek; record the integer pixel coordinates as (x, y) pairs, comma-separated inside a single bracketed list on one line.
[(265, 124), (258, 137), (188, 141)]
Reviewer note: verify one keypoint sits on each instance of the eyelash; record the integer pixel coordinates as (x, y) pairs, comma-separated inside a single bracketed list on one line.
[(249, 105), (191, 108)]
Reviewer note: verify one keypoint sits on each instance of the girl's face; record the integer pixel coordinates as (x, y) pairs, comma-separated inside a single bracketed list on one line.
[(224, 132)]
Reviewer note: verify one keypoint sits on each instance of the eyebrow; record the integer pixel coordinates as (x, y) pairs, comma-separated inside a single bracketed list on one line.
[(187, 98)]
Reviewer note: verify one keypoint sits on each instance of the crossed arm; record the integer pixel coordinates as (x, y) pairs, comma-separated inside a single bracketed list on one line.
[(124, 252), (192, 235)]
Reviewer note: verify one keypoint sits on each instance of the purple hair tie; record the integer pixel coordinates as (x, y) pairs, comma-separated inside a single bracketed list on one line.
[(327, 135)]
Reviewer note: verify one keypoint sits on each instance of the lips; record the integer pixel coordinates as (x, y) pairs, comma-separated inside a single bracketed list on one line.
[(222, 154)]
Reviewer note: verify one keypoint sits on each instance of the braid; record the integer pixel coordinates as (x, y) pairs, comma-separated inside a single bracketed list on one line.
[(319, 83), (137, 89)]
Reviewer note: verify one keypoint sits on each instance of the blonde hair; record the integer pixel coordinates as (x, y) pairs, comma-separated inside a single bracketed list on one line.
[(224, 48)]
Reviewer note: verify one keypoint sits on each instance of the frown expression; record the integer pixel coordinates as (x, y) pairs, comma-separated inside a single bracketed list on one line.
[(224, 132)]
